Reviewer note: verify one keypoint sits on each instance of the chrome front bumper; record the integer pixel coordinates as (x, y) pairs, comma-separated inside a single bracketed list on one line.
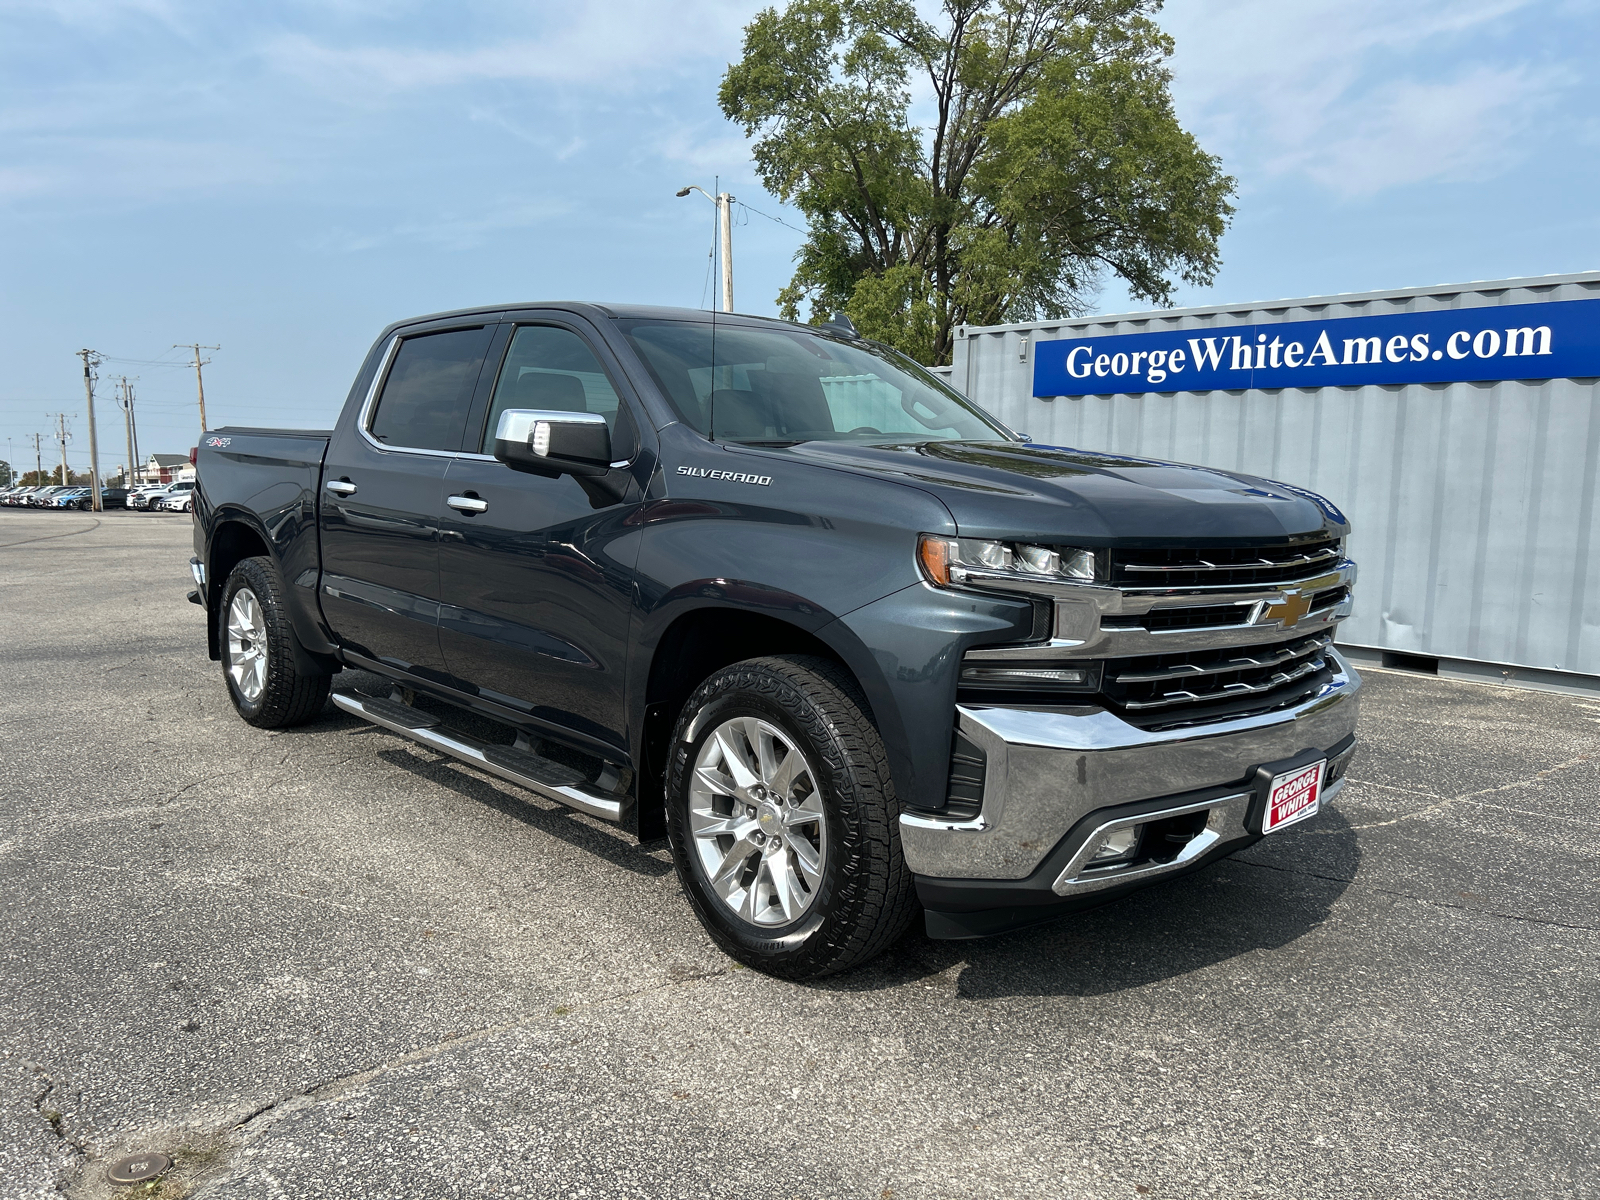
[(1048, 770)]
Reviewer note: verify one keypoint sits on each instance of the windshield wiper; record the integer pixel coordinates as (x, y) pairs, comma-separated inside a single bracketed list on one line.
[(773, 444)]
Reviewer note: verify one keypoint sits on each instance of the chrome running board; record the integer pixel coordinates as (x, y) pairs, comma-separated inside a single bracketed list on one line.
[(549, 779)]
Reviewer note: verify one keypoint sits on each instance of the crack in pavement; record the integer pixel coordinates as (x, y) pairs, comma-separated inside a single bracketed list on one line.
[(1445, 803), (49, 537), (53, 1117), (263, 1117), (1372, 887), (252, 1122)]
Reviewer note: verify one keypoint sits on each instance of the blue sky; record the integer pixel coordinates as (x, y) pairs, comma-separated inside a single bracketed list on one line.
[(286, 178)]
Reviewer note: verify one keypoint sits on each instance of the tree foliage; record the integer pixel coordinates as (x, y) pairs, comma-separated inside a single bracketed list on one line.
[(991, 166)]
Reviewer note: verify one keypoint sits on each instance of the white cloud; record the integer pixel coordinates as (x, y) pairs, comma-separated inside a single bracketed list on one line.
[(614, 46), (1358, 95), (1410, 132)]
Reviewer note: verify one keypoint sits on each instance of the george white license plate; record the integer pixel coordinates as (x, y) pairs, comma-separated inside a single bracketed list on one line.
[(1295, 795)]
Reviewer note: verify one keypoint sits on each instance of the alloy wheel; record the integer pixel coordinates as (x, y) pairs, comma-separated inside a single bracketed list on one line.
[(247, 645), (757, 820)]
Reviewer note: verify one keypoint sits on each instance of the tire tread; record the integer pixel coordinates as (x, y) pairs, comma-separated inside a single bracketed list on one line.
[(877, 900), (289, 697)]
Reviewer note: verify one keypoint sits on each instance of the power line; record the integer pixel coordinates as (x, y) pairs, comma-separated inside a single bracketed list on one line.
[(154, 362), (775, 220)]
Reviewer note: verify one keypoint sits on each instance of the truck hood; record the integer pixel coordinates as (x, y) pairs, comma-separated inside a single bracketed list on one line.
[(1054, 493)]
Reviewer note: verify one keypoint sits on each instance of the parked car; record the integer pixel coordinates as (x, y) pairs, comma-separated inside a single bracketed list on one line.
[(18, 497), (140, 496), (152, 500), (83, 499), (859, 651), (177, 501), (45, 497)]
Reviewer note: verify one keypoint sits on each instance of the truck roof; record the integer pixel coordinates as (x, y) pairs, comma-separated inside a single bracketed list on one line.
[(594, 309)]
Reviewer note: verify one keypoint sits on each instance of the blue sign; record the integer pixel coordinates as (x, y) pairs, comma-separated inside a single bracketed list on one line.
[(1557, 340)]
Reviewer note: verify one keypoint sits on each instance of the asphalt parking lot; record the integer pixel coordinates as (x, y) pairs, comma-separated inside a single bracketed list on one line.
[(325, 963)]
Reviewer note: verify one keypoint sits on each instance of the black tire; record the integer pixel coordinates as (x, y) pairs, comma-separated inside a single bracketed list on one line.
[(287, 697), (865, 900)]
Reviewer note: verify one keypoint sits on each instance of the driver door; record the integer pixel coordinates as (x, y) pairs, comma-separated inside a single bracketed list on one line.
[(536, 582)]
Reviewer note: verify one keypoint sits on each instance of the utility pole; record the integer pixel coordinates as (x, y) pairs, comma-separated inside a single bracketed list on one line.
[(91, 359), (724, 203), (125, 402), (38, 462), (61, 436), (199, 380)]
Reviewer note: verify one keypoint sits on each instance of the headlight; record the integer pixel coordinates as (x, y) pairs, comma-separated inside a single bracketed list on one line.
[(951, 562)]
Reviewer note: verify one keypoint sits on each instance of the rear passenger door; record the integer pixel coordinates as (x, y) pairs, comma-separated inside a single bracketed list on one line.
[(383, 488), (536, 582)]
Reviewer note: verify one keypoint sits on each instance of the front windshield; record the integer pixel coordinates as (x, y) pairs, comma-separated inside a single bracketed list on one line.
[(780, 386)]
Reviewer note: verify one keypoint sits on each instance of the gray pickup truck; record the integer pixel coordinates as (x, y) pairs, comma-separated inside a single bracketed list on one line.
[(859, 651)]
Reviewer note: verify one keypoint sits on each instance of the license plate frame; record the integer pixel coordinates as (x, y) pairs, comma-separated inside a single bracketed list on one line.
[(1293, 796)]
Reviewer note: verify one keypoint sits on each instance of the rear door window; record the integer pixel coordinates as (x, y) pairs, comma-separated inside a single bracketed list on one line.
[(429, 389)]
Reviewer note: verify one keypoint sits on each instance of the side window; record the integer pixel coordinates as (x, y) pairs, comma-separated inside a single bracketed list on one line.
[(429, 390), (552, 369)]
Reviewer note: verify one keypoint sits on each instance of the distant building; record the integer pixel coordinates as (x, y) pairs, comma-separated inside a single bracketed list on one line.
[(165, 468)]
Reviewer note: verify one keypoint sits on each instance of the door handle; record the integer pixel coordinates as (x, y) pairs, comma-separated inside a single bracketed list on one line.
[(340, 487), (467, 504)]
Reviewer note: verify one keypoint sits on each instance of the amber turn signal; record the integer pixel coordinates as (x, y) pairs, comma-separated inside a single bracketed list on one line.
[(934, 554)]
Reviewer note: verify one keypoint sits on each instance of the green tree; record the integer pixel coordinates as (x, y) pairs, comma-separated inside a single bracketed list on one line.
[(1050, 156)]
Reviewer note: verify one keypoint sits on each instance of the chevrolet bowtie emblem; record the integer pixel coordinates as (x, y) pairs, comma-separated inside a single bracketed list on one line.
[(1289, 610)]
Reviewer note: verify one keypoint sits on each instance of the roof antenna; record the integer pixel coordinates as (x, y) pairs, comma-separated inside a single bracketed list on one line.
[(842, 323)]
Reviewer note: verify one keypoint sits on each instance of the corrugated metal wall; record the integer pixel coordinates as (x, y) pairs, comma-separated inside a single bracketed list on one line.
[(1473, 504)]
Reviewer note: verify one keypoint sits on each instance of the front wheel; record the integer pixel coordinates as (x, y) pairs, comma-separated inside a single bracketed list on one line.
[(783, 819), (258, 651)]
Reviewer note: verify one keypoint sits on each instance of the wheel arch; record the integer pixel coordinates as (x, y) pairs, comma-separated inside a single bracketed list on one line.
[(235, 536), (703, 640), (233, 539)]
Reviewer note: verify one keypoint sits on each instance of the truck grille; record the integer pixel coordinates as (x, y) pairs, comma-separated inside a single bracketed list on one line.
[(1232, 566), (1196, 616), (1161, 689)]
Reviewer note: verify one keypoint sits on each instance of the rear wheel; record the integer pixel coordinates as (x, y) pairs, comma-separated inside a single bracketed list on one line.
[(783, 820), (257, 645)]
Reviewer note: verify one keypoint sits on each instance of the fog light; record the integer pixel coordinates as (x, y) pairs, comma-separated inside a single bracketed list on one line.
[(1117, 846)]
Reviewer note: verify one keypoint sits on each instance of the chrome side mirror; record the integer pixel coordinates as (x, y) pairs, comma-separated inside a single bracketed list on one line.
[(553, 442)]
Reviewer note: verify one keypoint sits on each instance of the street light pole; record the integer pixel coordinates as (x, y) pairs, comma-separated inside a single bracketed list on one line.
[(724, 203)]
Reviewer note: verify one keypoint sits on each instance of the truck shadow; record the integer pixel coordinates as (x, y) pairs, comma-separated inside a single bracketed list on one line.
[(555, 820), (1261, 899)]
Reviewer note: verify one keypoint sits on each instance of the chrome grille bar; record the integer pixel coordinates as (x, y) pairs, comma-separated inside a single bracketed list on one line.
[(1243, 662), (1231, 690), (1326, 556)]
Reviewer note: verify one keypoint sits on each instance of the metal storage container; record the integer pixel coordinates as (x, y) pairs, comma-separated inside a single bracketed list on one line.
[(1473, 504)]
